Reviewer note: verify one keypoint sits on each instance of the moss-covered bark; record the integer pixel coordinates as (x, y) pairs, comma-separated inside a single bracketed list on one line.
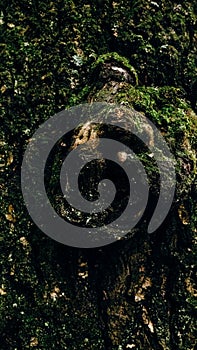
[(139, 292)]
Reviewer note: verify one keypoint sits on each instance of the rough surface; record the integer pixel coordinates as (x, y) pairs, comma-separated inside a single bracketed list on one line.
[(138, 293)]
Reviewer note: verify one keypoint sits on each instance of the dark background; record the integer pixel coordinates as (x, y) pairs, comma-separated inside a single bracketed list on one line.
[(139, 292)]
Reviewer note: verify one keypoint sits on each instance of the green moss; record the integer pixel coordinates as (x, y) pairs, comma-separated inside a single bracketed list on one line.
[(114, 56), (49, 51)]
